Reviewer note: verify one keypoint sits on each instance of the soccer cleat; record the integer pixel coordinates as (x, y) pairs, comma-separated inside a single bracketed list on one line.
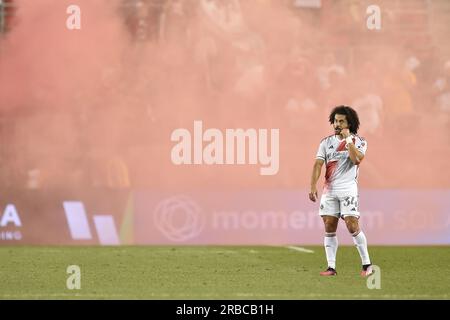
[(329, 272), (367, 270)]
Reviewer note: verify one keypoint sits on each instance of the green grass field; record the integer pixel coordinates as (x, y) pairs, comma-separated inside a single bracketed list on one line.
[(199, 272)]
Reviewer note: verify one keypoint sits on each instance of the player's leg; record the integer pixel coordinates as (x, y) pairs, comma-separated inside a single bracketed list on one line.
[(330, 243), (329, 211), (350, 212), (360, 241)]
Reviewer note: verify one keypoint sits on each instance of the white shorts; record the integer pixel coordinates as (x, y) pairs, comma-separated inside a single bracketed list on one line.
[(339, 205)]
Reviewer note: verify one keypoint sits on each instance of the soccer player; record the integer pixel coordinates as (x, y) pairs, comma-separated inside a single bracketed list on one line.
[(342, 154)]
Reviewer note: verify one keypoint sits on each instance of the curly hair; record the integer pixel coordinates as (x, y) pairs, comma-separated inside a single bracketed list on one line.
[(350, 114)]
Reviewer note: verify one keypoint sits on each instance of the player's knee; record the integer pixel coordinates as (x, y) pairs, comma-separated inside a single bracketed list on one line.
[(352, 227), (330, 227)]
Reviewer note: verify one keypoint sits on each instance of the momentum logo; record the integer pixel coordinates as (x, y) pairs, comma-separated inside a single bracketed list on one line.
[(179, 218), (79, 224)]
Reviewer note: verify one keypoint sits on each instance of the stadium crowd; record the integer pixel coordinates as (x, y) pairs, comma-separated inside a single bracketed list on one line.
[(228, 62)]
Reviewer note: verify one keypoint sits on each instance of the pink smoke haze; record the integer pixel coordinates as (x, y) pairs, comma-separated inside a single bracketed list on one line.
[(96, 107)]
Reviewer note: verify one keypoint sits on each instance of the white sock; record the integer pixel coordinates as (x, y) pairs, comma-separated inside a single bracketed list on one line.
[(331, 244), (359, 239)]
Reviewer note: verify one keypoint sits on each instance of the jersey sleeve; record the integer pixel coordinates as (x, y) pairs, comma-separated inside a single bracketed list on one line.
[(361, 145), (321, 152)]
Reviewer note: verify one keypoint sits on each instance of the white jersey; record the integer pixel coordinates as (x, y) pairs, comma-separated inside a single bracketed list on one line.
[(341, 174)]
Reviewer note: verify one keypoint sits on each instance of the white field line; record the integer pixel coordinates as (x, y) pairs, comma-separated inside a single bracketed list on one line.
[(300, 249)]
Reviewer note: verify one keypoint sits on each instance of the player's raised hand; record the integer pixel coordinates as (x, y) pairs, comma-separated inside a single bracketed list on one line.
[(313, 194)]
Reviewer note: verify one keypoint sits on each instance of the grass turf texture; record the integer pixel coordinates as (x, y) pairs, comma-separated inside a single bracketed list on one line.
[(216, 272)]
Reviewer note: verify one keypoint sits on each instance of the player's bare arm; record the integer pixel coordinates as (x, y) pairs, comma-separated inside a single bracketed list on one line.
[(314, 178), (355, 155)]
